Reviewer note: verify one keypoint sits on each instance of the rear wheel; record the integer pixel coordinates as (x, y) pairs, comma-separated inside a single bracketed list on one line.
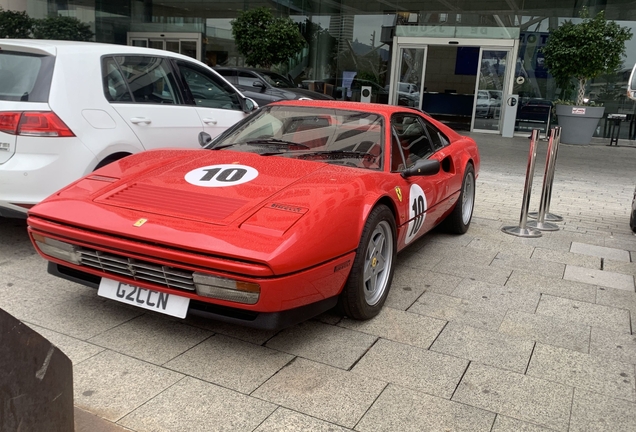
[(459, 219), (372, 272)]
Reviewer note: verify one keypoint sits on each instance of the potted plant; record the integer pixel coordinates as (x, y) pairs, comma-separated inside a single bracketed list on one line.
[(583, 51)]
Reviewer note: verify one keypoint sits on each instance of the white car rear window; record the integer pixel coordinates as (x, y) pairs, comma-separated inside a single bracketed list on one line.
[(25, 77)]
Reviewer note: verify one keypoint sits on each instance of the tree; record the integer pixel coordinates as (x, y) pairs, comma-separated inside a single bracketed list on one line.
[(62, 28), (264, 40), (15, 25), (585, 50)]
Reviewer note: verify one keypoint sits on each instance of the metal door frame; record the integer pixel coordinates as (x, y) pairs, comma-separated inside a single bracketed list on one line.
[(399, 42), (169, 36)]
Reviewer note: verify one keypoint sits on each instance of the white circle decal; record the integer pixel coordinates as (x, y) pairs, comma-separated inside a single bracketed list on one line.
[(520, 80), (417, 208), (221, 175)]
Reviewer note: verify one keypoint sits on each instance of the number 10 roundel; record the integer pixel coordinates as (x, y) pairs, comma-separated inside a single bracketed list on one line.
[(417, 207), (222, 175)]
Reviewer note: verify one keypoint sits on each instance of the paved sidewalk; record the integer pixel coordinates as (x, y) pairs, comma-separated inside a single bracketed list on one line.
[(481, 332)]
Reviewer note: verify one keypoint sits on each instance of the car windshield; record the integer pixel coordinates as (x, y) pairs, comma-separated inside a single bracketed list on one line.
[(342, 137), (277, 80)]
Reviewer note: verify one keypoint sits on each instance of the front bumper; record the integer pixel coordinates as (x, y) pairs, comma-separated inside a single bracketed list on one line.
[(231, 315)]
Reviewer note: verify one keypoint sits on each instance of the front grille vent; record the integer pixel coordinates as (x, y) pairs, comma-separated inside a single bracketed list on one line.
[(166, 276)]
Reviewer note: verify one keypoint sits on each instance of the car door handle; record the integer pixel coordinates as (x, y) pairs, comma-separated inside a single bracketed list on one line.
[(137, 120), (209, 121)]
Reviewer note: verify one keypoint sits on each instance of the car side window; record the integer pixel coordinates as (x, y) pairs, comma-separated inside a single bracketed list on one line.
[(247, 79), (438, 139), (150, 80), (207, 89), (115, 87), (412, 136), (228, 74)]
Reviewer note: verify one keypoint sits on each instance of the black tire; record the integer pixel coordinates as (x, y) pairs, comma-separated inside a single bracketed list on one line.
[(371, 275), (458, 221), (110, 159)]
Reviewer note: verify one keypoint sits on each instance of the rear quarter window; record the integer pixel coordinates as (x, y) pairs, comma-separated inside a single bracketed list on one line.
[(25, 77)]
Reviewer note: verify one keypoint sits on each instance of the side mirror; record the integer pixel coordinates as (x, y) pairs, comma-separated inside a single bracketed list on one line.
[(249, 105), (204, 139), (259, 84), (423, 167)]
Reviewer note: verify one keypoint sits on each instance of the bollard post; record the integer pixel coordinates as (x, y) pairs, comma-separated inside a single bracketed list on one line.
[(522, 230), (548, 176), (550, 217)]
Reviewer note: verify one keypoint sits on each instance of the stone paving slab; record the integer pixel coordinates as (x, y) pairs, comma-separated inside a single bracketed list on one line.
[(599, 277), (112, 385), (335, 346), (593, 412), (483, 273), (411, 367), (571, 258), (322, 391), (195, 405), (507, 424), (533, 400), (140, 337), (585, 313), (82, 317), (410, 283), (285, 420), (498, 296), (583, 371), (607, 344), (75, 349), (404, 410), (547, 330), (477, 313), (555, 287), (483, 346), (531, 265), (230, 363), (600, 251), (399, 326)]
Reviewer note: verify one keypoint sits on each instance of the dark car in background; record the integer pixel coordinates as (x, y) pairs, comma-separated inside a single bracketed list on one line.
[(265, 86)]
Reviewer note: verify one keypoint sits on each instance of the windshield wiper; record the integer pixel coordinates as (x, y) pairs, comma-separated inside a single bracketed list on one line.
[(264, 141), (339, 154)]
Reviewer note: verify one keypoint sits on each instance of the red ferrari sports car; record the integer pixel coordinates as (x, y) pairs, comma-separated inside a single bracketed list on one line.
[(299, 207)]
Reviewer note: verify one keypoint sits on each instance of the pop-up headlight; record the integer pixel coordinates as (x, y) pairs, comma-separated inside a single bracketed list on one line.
[(226, 289), (57, 249)]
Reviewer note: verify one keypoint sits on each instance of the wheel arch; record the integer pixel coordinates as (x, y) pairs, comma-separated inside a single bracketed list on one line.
[(111, 158)]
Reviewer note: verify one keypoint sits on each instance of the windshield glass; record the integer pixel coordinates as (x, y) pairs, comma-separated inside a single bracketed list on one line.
[(277, 80), (350, 138)]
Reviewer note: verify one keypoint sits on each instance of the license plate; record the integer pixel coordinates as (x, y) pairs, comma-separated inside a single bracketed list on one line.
[(157, 301)]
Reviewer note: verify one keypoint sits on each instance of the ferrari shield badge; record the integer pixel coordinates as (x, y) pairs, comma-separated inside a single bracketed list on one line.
[(398, 192), (140, 222)]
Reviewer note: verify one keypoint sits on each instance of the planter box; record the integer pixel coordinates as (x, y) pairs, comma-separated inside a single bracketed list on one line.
[(578, 123)]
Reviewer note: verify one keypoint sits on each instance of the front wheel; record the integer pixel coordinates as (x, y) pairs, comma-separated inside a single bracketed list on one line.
[(458, 220), (372, 272)]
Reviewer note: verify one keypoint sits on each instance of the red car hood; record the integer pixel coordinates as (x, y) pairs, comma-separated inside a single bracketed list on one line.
[(203, 186), (284, 216)]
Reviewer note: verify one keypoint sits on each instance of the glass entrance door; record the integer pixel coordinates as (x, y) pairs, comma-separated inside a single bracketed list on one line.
[(183, 43), (406, 90), (490, 91)]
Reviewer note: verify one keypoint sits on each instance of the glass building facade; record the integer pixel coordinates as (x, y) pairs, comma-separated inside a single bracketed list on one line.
[(459, 60)]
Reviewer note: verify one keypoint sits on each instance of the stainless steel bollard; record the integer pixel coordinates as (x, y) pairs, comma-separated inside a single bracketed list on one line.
[(522, 230), (550, 217), (548, 176)]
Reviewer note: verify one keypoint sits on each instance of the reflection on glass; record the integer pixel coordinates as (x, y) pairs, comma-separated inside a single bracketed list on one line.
[(492, 77), (410, 73)]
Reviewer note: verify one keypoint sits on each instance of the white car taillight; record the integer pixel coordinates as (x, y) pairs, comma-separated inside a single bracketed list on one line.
[(34, 123)]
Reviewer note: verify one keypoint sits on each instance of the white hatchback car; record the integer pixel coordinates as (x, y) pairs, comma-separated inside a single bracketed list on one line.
[(67, 108)]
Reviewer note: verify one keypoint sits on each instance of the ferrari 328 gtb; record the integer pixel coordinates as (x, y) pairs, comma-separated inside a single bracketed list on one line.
[(300, 207)]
